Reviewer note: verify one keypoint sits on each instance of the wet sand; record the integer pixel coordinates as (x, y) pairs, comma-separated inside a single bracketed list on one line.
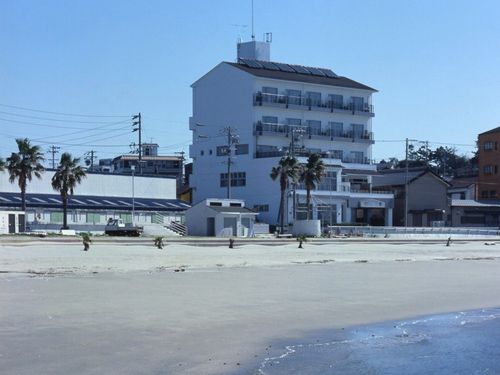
[(136, 315)]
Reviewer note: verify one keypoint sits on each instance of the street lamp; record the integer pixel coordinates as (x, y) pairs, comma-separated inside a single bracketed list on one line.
[(132, 168)]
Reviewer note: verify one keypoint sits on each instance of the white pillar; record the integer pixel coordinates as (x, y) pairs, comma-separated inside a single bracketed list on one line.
[(388, 217), (338, 210)]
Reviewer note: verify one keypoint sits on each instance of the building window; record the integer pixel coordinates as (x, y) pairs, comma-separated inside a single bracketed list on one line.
[(488, 146), (336, 101), (357, 157), (488, 169), (221, 150), (242, 149), (314, 127), (270, 94), (336, 129), (493, 193), (294, 97), (215, 204), (234, 204), (357, 103), (358, 130), (237, 179), (202, 152), (314, 99), (336, 154), (269, 119), (484, 194), (210, 151), (261, 207)]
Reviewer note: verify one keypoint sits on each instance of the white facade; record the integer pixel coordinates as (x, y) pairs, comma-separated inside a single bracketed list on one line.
[(265, 112), (100, 185), (220, 218)]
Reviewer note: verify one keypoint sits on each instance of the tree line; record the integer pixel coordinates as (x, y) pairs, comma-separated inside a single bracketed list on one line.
[(26, 163)]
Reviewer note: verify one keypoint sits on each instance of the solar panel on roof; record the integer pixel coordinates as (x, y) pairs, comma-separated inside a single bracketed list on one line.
[(95, 202), (5, 199), (316, 72), (268, 65), (251, 63), (55, 200), (300, 69), (284, 67), (38, 200), (77, 201), (329, 73), (109, 202), (125, 203)]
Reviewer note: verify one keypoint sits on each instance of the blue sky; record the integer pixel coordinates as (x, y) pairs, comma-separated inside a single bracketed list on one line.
[(436, 65)]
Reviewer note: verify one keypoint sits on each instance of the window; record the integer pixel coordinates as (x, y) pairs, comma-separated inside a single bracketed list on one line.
[(222, 150), (357, 103), (234, 204), (294, 121), (488, 169), (496, 169), (150, 163), (357, 156), (358, 130), (336, 154), (314, 99), (337, 129), (56, 217), (210, 151), (336, 101), (270, 94), (294, 97), (237, 179), (202, 153), (269, 119), (493, 193), (261, 207), (215, 204), (488, 146), (93, 218), (314, 127), (242, 149), (484, 194)]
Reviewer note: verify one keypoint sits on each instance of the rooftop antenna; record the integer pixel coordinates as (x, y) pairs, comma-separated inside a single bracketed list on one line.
[(253, 35)]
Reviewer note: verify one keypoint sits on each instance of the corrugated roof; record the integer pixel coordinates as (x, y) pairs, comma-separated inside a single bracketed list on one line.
[(472, 203), (92, 202), (306, 78)]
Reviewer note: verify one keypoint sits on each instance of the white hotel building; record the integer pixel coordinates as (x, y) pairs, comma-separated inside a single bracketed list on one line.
[(276, 109)]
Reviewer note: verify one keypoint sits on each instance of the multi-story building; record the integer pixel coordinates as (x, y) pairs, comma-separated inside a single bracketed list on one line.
[(248, 114), (488, 161)]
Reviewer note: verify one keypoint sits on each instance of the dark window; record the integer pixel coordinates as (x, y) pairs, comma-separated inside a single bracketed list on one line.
[(222, 150), (242, 149), (484, 194), (202, 153), (235, 204), (210, 152), (237, 179), (493, 193), (488, 146), (215, 204), (336, 101), (488, 169)]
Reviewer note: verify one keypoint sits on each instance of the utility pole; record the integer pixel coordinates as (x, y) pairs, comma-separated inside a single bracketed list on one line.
[(181, 174), (89, 159), (406, 179), (232, 138), (54, 150), (300, 131), (137, 126)]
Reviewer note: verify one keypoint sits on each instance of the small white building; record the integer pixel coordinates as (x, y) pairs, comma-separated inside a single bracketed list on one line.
[(11, 222), (220, 218)]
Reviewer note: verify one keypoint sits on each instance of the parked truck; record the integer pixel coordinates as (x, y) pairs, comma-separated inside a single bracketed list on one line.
[(116, 227)]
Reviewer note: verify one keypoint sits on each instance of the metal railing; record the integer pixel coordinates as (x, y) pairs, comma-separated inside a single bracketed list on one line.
[(268, 128), (261, 98)]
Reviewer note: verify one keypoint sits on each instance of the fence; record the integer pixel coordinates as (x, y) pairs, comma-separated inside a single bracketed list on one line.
[(370, 231)]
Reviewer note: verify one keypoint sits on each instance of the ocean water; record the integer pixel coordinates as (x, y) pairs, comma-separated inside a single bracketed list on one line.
[(463, 343)]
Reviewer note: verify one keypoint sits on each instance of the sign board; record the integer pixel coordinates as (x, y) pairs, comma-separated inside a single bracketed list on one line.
[(371, 204)]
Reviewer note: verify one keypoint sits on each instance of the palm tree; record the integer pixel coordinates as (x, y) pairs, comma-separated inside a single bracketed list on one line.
[(68, 174), (310, 175), (2, 165), (288, 168), (23, 165)]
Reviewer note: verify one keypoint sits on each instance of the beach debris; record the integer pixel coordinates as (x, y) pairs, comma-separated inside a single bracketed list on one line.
[(490, 243), (86, 241), (361, 261), (301, 238), (448, 242), (159, 242), (231, 243)]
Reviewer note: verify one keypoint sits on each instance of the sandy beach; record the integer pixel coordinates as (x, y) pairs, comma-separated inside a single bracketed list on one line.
[(134, 309)]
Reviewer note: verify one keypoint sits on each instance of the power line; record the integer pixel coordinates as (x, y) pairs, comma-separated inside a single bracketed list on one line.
[(55, 119), (58, 113)]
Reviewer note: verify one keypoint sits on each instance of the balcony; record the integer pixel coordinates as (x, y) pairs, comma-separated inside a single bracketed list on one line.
[(302, 152), (298, 102), (280, 130)]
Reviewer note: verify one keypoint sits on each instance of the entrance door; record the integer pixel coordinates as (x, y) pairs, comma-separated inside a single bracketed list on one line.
[(211, 226), (21, 223), (12, 223)]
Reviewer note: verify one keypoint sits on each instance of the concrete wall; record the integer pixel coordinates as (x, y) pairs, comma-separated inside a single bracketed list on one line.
[(101, 185)]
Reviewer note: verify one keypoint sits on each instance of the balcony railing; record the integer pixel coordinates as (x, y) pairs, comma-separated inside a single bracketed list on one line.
[(265, 128), (286, 101), (303, 152)]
